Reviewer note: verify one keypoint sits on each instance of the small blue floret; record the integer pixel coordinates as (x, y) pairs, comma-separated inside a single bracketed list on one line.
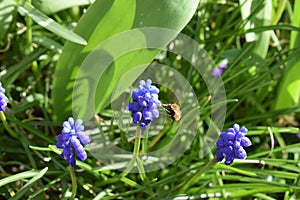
[(144, 107), (231, 144), (71, 140), (3, 98), (218, 71)]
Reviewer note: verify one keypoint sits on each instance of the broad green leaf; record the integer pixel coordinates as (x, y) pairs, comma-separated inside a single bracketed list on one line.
[(293, 87), (49, 24), (28, 185), (289, 90), (53, 6), (7, 9), (115, 47), (296, 23), (257, 13)]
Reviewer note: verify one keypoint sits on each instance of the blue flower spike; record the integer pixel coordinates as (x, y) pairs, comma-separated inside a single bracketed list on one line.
[(231, 144), (218, 71), (144, 107), (72, 139), (3, 98)]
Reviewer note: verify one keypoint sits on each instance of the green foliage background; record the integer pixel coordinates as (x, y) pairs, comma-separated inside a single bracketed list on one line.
[(43, 43)]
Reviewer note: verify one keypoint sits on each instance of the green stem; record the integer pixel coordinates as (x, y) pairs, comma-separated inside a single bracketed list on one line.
[(287, 195), (279, 12), (137, 142), (136, 150), (7, 127), (196, 176), (145, 141), (220, 181), (28, 33), (74, 182), (30, 49)]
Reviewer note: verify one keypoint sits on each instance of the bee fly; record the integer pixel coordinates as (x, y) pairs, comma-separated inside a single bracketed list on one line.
[(173, 110)]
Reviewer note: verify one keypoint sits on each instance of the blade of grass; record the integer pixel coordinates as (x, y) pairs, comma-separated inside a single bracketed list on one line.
[(48, 43), (28, 185), (44, 188), (49, 24), (19, 176), (14, 71), (30, 129)]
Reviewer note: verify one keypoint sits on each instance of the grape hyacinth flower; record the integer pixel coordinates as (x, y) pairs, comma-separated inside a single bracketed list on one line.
[(3, 98), (144, 107), (231, 144), (218, 71), (72, 139)]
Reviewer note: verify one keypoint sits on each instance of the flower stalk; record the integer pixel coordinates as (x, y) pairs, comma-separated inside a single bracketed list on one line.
[(28, 35), (144, 109), (7, 127), (136, 149), (74, 182), (145, 142)]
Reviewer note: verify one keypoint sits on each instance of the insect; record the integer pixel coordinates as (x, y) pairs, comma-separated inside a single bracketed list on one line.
[(173, 110)]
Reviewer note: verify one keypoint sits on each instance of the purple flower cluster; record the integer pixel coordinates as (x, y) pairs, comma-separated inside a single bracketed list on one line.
[(72, 139), (231, 144), (144, 107), (218, 71), (3, 98)]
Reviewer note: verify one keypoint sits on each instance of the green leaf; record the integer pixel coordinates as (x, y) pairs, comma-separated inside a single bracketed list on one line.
[(28, 185), (289, 89), (233, 169), (14, 71), (40, 148), (48, 43), (296, 23), (257, 13), (275, 27), (53, 6), (30, 128), (115, 47), (48, 186), (7, 9), (140, 166), (17, 177), (49, 24)]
